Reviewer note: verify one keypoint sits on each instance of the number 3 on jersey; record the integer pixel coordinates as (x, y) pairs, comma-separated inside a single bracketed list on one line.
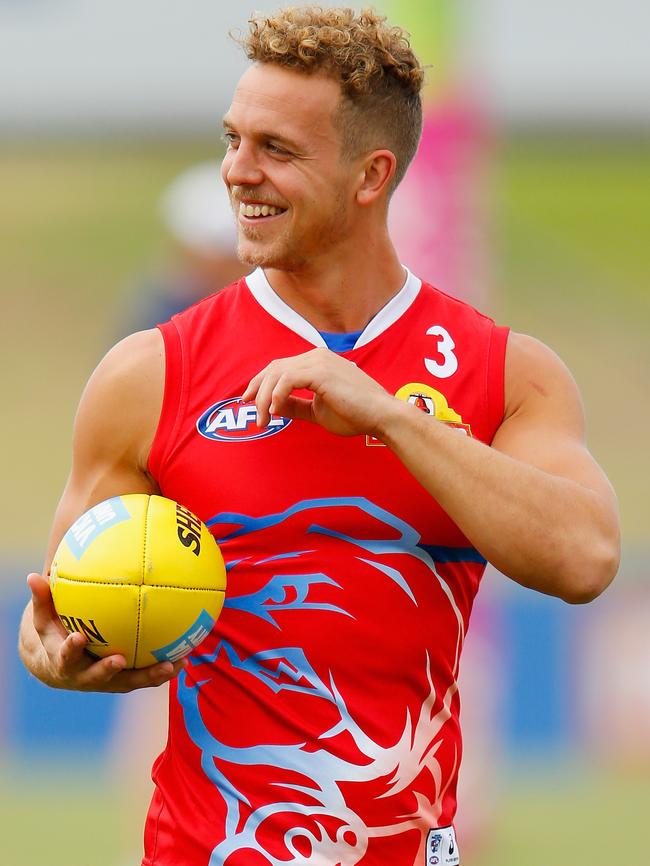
[(445, 348)]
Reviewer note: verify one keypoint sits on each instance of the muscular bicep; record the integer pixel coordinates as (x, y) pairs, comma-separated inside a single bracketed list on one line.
[(544, 423), (113, 430)]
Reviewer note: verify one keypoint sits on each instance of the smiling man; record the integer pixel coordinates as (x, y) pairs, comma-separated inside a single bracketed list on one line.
[(361, 445)]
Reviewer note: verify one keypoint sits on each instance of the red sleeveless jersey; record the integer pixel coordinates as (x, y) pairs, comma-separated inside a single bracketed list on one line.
[(318, 723)]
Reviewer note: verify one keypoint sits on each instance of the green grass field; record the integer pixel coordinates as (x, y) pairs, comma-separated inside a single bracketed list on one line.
[(571, 266), (72, 817)]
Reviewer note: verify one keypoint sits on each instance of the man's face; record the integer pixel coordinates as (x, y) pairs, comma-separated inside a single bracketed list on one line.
[(284, 155)]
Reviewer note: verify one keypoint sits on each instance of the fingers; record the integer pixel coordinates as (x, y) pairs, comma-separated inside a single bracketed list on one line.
[(44, 616), (76, 670), (41, 600), (272, 387), (71, 667), (154, 676), (298, 407), (260, 389), (72, 656), (346, 400), (263, 399), (280, 394), (251, 391), (97, 676), (109, 675)]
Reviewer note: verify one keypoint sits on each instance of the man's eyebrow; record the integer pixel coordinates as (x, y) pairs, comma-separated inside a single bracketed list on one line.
[(265, 135)]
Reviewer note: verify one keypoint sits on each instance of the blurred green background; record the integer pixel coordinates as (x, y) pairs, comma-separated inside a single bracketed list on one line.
[(103, 104), (571, 266)]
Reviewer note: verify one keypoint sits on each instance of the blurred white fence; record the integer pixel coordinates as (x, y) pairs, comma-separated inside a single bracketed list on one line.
[(168, 65)]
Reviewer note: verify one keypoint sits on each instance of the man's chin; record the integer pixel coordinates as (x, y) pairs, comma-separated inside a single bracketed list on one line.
[(257, 256)]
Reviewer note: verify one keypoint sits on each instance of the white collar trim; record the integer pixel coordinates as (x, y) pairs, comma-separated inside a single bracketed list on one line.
[(266, 297)]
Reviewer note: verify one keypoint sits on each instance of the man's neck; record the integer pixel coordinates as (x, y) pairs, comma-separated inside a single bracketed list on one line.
[(340, 296)]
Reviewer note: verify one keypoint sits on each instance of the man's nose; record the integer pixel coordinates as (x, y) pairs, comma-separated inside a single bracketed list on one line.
[(241, 167)]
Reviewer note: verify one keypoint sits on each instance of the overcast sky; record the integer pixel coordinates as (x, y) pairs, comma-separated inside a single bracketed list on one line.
[(169, 64)]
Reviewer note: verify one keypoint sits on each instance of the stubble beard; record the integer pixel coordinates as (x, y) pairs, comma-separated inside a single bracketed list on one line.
[(293, 250), (282, 253)]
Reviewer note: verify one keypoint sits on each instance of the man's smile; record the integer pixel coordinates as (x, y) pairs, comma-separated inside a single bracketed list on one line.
[(258, 210)]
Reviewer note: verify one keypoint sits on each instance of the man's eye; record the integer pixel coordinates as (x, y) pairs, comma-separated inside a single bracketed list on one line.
[(230, 139), (274, 148)]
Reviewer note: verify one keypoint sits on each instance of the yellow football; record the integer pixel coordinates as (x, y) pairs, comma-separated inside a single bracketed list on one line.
[(139, 575)]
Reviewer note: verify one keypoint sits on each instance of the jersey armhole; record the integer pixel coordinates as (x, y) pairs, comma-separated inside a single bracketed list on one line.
[(496, 368), (174, 396)]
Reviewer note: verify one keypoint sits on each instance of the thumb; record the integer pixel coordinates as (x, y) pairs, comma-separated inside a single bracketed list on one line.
[(44, 613)]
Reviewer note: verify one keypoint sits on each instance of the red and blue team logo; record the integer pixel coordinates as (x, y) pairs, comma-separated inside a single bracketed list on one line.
[(233, 420)]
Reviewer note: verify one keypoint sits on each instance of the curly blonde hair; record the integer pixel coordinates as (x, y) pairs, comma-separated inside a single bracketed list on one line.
[(379, 74)]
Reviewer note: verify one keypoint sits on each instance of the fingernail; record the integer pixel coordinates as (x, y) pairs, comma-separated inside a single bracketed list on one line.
[(116, 665)]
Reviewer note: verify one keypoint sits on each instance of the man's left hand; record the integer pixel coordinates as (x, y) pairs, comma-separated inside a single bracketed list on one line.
[(345, 400)]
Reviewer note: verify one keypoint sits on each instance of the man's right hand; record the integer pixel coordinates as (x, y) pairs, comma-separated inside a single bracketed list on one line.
[(113, 431), (60, 660)]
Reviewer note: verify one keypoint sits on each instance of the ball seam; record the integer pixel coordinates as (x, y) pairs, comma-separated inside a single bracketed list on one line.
[(144, 561), (90, 582)]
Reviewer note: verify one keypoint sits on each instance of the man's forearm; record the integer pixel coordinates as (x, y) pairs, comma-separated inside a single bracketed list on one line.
[(546, 532)]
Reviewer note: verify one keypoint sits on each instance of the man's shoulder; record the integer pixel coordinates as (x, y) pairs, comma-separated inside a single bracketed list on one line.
[(529, 355), (120, 405), (535, 373), (130, 374), (135, 354)]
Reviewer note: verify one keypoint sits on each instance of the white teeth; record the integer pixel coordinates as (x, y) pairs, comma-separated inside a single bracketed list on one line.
[(257, 210)]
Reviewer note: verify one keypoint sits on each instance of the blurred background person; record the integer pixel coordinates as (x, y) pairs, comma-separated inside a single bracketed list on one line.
[(197, 215)]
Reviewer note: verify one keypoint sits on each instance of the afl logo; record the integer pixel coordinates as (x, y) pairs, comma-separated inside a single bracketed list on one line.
[(233, 421)]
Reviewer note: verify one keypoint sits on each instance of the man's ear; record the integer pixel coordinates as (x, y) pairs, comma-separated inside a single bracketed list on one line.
[(377, 172)]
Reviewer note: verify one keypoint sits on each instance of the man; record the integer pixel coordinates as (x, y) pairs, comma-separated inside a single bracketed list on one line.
[(400, 440)]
